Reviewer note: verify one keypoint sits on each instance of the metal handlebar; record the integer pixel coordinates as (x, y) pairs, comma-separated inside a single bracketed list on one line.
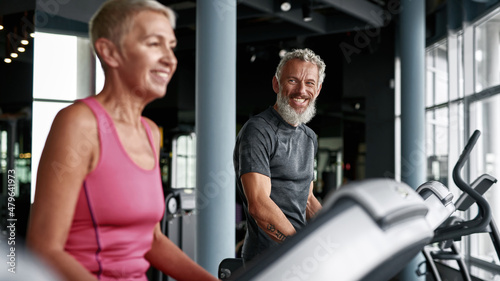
[(483, 217)]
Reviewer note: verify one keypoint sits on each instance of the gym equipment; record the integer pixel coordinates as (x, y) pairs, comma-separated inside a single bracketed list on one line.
[(454, 228), (439, 200), (179, 220), (379, 223)]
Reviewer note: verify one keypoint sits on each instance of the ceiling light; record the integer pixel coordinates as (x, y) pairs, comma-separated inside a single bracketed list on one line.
[(285, 6), (14, 55), (32, 35), (7, 60), (253, 58), (1, 27), (282, 53), (25, 42), (21, 49), (306, 11)]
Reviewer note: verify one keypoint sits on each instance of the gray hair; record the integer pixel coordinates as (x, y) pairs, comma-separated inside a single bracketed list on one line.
[(305, 55), (114, 18)]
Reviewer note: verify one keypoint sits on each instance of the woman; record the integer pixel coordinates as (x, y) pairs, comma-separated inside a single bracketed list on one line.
[(99, 197)]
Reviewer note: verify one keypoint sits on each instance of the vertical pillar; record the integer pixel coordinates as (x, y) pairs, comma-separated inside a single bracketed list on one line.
[(412, 52), (215, 131)]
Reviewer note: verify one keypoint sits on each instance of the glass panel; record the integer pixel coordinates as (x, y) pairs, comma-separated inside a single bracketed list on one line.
[(99, 75), (441, 93), (184, 160), (437, 74), (487, 54), (429, 134), (460, 63), (437, 145), (69, 59), (430, 78), (456, 142), (429, 87), (44, 113), (57, 53), (484, 116)]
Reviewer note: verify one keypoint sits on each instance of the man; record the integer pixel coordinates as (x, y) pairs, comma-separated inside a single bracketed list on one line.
[(274, 156)]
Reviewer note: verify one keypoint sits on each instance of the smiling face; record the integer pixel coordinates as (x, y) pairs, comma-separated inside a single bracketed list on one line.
[(147, 60), (297, 91)]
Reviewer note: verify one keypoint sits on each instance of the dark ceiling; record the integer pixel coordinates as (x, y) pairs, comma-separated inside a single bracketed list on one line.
[(262, 20), (263, 29)]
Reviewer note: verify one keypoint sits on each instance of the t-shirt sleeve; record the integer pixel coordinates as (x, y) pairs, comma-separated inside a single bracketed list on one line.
[(255, 149)]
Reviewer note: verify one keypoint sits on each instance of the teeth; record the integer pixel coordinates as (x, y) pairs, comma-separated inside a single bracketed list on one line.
[(299, 100), (161, 74)]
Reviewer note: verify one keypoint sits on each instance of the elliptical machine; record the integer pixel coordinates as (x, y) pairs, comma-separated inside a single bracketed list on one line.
[(454, 228)]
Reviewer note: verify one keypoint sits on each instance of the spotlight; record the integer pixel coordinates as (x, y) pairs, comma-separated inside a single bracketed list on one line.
[(253, 58), (285, 6), (7, 60), (306, 11), (25, 42), (1, 27), (32, 35), (14, 55), (282, 53), (21, 49)]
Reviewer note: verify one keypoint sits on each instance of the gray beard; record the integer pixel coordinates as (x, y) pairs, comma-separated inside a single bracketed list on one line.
[(291, 116)]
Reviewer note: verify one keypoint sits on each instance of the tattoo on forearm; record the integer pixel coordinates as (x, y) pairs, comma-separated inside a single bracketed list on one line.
[(278, 234)]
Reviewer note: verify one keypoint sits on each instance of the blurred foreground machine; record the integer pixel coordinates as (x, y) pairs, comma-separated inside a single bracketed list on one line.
[(367, 230)]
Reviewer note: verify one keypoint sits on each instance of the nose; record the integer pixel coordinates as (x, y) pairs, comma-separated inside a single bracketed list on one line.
[(169, 57), (302, 88)]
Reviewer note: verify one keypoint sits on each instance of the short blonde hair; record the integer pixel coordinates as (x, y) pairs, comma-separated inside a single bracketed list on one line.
[(114, 18)]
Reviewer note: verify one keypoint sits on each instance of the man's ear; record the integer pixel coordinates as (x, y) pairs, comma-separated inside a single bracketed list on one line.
[(319, 89), (107, 51), (276, 85)]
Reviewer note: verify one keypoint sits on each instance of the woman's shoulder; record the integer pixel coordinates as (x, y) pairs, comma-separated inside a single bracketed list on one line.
[(77, 116)]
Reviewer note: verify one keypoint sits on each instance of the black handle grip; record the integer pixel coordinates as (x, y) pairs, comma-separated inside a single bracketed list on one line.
[(483, 218)]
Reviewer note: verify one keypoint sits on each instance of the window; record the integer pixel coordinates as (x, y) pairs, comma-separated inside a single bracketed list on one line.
[(437, 112), (437, 74), (487, 53), (71, 72), (484, 116), (463, 95), (184, 161)]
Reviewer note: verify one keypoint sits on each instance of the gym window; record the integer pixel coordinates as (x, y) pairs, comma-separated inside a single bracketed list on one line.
[(463, 95)]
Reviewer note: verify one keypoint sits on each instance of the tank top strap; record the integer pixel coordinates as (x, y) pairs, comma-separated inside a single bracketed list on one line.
[(104, 122)]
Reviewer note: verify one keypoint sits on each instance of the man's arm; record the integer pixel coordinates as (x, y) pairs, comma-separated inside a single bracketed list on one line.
[(313, 205), (263, 210)]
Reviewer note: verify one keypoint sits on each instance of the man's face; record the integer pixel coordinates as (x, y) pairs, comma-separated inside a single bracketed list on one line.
[(148, 60), (297, 91)]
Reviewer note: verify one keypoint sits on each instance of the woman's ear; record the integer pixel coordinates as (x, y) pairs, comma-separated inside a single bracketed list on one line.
[(107, 51)]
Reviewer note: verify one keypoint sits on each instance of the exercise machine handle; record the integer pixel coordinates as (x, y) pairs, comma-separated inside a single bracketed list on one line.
[(483, 218)]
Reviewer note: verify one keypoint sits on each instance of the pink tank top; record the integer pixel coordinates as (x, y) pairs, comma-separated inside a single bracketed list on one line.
[(118, 206)]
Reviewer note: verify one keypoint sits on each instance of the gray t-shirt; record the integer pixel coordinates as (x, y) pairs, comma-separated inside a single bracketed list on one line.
[(268, 145)]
